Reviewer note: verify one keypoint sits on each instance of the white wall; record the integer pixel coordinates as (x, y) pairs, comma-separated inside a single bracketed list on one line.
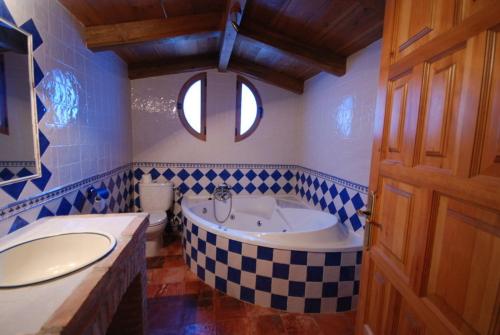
[(337, 118), (159, 136)]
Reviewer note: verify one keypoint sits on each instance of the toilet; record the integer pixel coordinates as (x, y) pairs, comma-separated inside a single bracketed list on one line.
[(156, 200)]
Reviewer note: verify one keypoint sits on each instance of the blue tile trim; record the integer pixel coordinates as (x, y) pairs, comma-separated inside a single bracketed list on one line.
[(328, 193), (336, 180), (213, 165), (18, 207)]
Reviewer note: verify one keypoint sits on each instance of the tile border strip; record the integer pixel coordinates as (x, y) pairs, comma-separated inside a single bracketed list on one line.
[(18, 207), (337, 180), (213, 165)]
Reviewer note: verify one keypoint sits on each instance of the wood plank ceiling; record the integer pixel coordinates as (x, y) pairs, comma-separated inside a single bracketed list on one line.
[(282, 42)]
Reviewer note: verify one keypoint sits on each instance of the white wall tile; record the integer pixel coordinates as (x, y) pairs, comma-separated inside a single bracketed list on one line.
[(98, 137), (337, 118)]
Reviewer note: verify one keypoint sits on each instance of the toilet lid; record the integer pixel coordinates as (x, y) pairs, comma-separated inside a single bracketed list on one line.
[(156, 218)]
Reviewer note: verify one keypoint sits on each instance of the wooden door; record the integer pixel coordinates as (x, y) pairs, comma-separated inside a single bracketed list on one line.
[(433, 263)]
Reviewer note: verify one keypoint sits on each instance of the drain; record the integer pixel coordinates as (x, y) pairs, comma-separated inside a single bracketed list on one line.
[(204, 211), (232, 217), (259, 223)]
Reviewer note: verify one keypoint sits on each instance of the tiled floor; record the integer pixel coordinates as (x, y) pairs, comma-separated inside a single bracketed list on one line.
[(179, 303)]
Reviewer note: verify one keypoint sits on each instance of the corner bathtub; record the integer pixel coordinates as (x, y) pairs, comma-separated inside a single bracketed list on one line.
[(273, 252)]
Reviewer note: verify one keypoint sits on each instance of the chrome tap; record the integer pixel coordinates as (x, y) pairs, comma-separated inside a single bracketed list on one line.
[(222, 192)]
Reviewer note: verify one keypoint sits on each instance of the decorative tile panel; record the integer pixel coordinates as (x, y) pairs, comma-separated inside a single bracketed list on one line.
[(332, 194), (288, 280), (319, 190), (71, 199), (201, 179)]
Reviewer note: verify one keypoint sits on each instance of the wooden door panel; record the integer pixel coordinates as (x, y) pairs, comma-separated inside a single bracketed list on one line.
[(407, 322), (463, 274), (470, 7), (417, 21), (488, 147), (397, 204), (432, 263), (439, 119), (401, 218), (383, 299), (401, 117), (396, 114)]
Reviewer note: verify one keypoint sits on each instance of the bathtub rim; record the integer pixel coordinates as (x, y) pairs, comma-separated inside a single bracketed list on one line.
[(233, 234)]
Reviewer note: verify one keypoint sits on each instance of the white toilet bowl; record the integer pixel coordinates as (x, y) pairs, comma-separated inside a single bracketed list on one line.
[(156, 199), (154, 233)]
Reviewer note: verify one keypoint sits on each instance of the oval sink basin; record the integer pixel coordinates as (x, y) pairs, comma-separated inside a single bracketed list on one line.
[(51, 257)]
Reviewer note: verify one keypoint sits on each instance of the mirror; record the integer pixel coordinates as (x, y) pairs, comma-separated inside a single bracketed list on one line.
[(19, 151)]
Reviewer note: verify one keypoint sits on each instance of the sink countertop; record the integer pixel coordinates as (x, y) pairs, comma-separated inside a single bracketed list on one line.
[(46, 308)]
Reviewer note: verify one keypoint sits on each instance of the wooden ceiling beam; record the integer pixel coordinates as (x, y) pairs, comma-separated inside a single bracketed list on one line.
[(267, 75), (104, 37), (229, 33), (174, 66), (322, 59)]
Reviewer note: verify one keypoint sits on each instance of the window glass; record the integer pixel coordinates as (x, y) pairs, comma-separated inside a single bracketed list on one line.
[(248, 109), (191, 106)]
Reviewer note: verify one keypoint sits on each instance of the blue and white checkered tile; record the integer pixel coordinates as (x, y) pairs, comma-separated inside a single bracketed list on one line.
[(341, 198), (202, 178), (71, 200), (288, 280)]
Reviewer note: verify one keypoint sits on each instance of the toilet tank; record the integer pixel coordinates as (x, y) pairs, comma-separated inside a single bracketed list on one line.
[(156, 197)]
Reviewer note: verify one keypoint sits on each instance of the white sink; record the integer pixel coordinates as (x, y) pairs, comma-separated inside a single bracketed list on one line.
[(51, 257)]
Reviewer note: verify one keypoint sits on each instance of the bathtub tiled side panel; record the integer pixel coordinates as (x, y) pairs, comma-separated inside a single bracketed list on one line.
[(70, 200), (201, 179), (334, 195), (292, 281)]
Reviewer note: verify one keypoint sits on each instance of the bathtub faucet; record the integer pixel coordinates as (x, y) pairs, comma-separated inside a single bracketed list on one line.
[(222, 192)]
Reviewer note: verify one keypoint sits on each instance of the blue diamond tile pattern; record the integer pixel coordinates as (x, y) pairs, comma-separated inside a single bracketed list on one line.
[(71, 200), (330, 194), (30, 27)]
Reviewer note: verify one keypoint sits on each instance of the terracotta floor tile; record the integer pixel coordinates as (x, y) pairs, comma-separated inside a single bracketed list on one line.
[(297, 324), (152, 289), (174, 248), (254, 310), (193, 287), (173, 261), (155, 262), (238, 326), (168, 275), (172, 289), (268, 325), (343, 324), (189, 276), (179, 303), (228, 308)]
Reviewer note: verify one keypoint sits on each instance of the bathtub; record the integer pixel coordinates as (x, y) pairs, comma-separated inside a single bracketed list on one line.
[(273, 252)]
